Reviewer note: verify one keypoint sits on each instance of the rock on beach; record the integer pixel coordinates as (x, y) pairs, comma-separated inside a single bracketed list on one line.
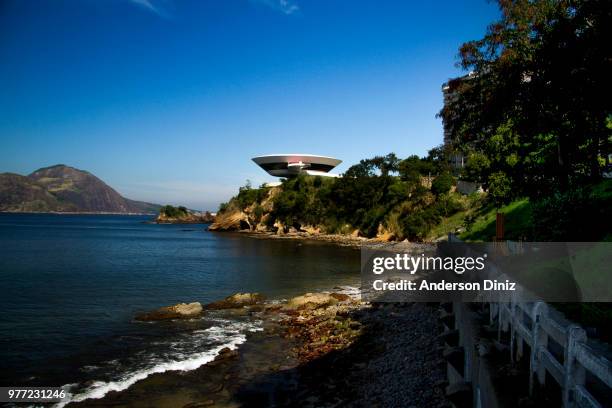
[(236, 301), (178, 311), (315, 300)]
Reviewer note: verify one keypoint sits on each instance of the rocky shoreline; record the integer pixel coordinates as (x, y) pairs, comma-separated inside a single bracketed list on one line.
[(321, 349), (188, 218), (341, 240)]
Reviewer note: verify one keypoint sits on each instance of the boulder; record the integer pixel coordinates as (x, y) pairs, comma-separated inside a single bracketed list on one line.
[(226, 353), (280, 228), (311, 229), (383, 234), (262, 226), (237, 300), (179, 311), (340, 297), (311, 300)]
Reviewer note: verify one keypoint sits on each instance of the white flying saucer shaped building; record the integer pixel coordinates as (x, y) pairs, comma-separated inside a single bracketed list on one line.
[(288, 165)]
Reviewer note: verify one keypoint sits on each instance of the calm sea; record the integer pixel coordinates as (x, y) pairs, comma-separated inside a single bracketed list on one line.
[(70, 286)]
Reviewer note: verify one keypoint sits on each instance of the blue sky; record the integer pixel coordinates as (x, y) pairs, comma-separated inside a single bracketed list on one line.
[(167, 100)]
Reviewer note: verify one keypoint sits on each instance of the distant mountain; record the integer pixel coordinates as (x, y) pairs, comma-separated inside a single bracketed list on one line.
[(20, 193), (63, 188)]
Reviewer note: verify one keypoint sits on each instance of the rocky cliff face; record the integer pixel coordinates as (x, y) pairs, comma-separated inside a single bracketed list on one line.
[(63, 188), (255, 217), (231, 220)]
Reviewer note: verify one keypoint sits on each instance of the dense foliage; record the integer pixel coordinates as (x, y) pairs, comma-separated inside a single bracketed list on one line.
[(533, 120), (533, 117), (442, 184), (383, 193), (537, 103), (582, 213)]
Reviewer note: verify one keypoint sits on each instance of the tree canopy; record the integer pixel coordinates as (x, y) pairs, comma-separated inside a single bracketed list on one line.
[(536, 103)]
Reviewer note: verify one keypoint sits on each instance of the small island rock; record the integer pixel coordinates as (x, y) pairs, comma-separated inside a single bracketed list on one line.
[(181, 215), (179, 311)]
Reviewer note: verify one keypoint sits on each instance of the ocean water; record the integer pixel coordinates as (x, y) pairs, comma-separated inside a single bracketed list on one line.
[(70, 286)]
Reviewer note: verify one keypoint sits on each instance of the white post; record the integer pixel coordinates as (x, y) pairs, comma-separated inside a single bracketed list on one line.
[(493, 311), (540, 311), (574, 374), (512, 328)]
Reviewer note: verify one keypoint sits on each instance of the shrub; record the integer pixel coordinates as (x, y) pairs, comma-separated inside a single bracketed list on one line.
[(248, 195), (332, 225), (468, 221), (258, 212), (371, 220), (578, 214), (442, 184), (417, 224), (393, 224), (447, 205)]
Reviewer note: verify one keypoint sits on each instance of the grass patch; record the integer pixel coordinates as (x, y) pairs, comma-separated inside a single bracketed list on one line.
[(603, 189), (456, 221), (517, 222)]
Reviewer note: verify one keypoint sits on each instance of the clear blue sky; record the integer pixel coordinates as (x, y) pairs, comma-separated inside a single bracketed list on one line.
[(167, 100)]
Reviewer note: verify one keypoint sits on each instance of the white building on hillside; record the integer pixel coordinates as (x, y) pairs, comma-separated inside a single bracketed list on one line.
[(290, 165)]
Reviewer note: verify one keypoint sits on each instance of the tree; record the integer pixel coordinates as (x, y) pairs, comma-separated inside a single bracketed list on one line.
[(377, 165), (410, 169), (539, 80), (442, 184), (499, 188), (438, 159), (477, 167)]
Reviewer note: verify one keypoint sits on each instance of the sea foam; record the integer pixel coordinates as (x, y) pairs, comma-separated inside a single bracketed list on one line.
[(229, 334)]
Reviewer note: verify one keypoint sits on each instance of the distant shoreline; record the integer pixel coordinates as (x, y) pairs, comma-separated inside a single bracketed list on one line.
[(73, 213)]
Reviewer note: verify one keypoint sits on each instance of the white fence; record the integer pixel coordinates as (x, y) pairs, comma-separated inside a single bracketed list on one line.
[(537, 325), (543, 329)]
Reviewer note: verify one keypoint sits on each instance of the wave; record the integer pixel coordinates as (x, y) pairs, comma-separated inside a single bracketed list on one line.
[(226, 333)]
